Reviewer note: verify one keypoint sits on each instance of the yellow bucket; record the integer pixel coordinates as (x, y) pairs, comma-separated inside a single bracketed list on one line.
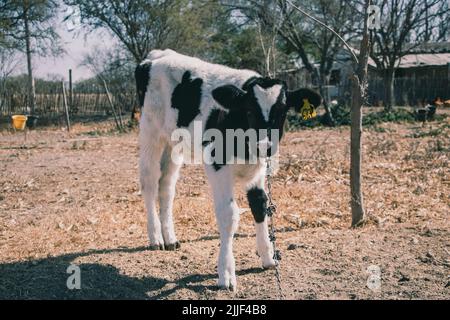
[(19, 122)]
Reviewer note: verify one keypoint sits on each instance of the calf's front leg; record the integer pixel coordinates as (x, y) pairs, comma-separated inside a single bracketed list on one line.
[(257, 200), (227, 215)]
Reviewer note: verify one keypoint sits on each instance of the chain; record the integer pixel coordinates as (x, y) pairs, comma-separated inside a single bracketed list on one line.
[(271, 210)]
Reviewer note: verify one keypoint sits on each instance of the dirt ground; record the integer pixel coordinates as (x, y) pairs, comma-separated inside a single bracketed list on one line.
[(74, 199)]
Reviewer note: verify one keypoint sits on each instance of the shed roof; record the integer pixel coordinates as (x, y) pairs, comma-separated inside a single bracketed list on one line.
[(424, 59), (412, 60)]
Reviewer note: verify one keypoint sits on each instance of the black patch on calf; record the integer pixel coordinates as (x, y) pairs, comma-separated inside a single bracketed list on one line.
[(250, 82), (257, 199), (142, 76), (243, 112), (223, 120), (186, 97), (294, 99), (262, 82), (213, 121), (228, 96)]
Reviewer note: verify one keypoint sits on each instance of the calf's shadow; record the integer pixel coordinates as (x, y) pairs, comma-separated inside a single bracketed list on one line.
[(47, 279)]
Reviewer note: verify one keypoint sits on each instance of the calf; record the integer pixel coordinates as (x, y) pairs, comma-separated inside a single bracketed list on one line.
[(175, 92)]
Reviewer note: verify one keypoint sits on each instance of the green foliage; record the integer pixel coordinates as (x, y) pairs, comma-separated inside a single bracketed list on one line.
[(379, 129), (295, 121), (341, 114), (18, 85), (431, 132), (236, 48), (396, 115)]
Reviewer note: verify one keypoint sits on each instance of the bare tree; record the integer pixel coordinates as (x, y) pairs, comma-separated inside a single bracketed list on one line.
[(113, 69), (27, 37), (143, 25), (301, 36), (267, 33), (340, 17), (405, 24), (28, 26), (9, 62)]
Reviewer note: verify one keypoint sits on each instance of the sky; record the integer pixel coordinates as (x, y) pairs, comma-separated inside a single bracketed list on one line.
[(76, 43)]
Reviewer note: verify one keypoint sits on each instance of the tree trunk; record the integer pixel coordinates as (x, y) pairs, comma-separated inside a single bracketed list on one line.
[(357, 205), (359, 86), (389, 92), (31, 87)]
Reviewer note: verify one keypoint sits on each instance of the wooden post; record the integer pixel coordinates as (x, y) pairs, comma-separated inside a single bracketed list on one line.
[(66, 108), (119, 127), (359, 88), (70, 90)]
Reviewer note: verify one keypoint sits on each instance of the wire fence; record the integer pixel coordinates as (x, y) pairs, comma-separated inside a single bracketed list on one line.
[(49, 103), (92, 100)]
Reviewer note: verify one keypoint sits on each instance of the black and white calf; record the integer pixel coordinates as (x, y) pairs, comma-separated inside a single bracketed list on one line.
[(175, 91)]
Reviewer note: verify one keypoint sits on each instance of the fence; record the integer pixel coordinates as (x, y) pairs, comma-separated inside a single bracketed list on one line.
[(49, 103), (412, 86), (410, 91)]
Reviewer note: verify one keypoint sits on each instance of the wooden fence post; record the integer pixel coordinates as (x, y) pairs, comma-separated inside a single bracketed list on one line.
[(118, 123), (70, 90), (65, 106)]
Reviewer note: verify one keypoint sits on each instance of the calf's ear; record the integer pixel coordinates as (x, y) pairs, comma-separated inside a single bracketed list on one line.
[(229, 96), (295, 99)]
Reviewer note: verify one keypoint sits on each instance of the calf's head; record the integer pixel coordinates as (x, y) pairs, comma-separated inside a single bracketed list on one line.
[(265, 103)]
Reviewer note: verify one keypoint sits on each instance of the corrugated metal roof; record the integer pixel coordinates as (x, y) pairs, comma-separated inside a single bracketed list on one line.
[(425, 59), (413, 60)]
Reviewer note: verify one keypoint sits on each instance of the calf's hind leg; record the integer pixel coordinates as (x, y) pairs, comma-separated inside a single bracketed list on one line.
[(150, 151), (169, 175)]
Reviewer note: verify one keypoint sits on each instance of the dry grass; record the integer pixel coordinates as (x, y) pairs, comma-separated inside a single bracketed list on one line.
[(73, 198)]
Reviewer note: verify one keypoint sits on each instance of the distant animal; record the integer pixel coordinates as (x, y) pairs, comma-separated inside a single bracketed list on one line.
[(438, 102), (176, 91), (136, 114)]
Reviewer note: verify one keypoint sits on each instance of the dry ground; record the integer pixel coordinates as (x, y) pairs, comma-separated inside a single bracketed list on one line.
[(73, 198)]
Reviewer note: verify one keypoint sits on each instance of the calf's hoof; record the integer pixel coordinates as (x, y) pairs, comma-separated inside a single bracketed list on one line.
[(227, 283), (154, 247), (270, 264), (229, 287), (172, 246)]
